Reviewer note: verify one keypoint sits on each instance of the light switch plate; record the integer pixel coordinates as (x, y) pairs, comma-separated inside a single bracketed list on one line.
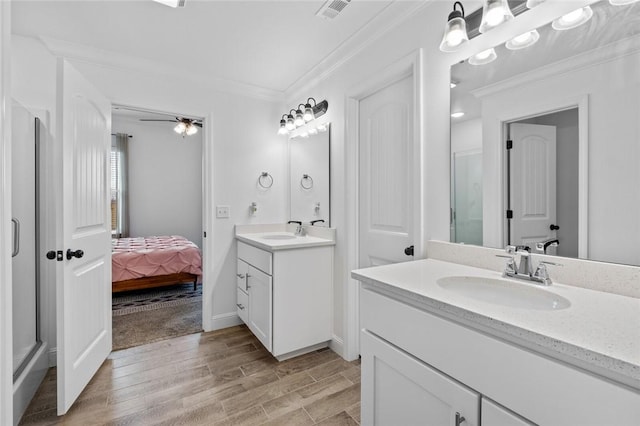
[(222, 212)]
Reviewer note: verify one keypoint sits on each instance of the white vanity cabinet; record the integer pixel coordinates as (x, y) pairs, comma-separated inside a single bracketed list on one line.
[(423, 368), (398, 389), (285, 297)]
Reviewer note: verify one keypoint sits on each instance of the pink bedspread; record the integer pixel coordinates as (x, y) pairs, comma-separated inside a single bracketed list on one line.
[(153, 256)]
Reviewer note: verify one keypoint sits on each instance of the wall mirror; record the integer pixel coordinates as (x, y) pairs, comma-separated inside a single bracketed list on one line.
[(309, 183), (547, 153)]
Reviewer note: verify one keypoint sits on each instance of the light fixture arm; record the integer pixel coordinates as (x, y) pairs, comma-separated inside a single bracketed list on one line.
[(461, 7)]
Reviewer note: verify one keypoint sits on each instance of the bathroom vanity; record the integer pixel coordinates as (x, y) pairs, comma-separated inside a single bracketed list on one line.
[(434, 351), (284, 286)]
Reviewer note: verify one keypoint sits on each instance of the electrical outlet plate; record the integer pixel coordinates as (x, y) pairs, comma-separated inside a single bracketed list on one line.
[(222, 212)]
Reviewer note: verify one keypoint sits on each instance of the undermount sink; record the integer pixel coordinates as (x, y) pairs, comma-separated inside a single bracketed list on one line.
[(279, 237), (504, 293)]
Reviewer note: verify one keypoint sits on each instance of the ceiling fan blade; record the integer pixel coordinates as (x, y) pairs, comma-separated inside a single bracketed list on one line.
[(153, 119), (197, 124)]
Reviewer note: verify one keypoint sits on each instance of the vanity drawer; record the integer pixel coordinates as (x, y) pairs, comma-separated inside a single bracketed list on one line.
[(242, 269), (242, 305), (255, 257)]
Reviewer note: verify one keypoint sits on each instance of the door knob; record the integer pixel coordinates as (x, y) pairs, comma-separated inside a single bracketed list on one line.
[(76, 253), (51, 254), (554, 227), (409, 251)]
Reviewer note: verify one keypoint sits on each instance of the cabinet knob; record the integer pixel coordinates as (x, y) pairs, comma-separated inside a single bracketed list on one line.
[(459, 419)]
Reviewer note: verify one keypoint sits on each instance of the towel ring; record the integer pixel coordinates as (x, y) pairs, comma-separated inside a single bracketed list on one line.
[(265, 177), (304, 179)]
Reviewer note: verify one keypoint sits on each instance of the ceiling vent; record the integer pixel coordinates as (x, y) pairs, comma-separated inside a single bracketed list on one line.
[(332, 8)]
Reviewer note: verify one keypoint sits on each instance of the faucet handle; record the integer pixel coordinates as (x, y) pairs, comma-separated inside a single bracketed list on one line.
[(510, 267), (544, 262), (510, 249)]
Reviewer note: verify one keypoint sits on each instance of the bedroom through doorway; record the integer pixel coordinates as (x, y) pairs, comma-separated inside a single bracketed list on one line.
[(156, 209)]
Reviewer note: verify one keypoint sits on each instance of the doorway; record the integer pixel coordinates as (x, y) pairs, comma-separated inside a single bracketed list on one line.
[(156, 203)]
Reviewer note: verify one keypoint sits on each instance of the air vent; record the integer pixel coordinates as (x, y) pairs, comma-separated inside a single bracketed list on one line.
[(332, 8)]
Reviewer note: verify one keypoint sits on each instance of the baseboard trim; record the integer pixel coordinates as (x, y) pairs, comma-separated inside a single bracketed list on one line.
[(337, 345), (53, 357), (225, 321)]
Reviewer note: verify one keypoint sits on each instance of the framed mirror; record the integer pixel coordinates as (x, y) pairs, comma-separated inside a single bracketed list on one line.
[(545, 142), (309, 182)]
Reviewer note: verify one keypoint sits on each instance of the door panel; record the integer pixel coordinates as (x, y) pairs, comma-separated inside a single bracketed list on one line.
[(386, 185), (84, 281), (533, 183)]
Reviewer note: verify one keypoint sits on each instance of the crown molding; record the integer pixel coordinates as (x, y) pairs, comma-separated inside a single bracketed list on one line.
[(391, 17), (111, 59)]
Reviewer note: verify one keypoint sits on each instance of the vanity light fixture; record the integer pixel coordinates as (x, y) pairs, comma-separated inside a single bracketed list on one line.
[(457, 114), (494, 13), (296, 118), (621, 2), (455, 32), (484, 57), (523, 40), (573, 19)]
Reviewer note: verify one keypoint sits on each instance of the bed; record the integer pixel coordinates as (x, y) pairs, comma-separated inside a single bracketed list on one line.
[(146, 262)]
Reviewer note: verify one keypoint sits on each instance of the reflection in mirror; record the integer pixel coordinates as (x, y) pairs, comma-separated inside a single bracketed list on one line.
[(557, 128), (309, 184)]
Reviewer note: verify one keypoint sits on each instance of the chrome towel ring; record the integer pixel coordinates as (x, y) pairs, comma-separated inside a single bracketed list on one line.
[(265, 180), (306, 182)]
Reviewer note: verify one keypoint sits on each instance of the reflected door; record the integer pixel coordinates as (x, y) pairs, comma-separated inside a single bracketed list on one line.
[(386, 170), (533, 183), (466, 167)]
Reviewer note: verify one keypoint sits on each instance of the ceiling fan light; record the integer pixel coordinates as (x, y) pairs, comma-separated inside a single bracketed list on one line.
[(523, 40), (494, 13), (180, 128), (484, 57), (573, 19), (455, 31), (191, 129)]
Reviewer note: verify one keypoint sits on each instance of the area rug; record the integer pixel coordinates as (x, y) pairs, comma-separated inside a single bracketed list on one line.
[(146, 316)]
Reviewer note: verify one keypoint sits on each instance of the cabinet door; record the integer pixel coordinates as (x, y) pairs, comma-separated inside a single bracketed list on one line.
[(495, 415), (242, 269), (260, 292), (398, 389)]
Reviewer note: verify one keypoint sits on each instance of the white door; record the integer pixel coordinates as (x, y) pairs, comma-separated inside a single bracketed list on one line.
[(84, 280), (397, 389), (259, 286), (386, 175), (533, 183)]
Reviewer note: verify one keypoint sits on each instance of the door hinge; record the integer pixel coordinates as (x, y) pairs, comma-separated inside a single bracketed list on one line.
[(205, 234), (509, 144), (509, 214)]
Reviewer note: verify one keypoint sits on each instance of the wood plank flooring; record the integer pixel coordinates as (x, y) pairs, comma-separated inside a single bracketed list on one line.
[(225, 377)]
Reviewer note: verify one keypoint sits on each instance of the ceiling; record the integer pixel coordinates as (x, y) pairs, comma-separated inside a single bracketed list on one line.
[(268, 44)]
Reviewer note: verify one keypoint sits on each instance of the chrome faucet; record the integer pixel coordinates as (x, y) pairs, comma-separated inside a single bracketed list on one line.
[(524, 270)]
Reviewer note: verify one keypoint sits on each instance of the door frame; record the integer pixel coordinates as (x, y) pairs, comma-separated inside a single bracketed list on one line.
[(6, 312), (522, 113), (410, 65)]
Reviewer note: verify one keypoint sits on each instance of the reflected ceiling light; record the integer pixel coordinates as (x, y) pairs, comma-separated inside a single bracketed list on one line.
[(455, 32), (523, 40), (533, 3), (621, 2), (457, 114), (494, 13), (313, 131), (283, 125), (573, 19), (296, 118), (483, 57)]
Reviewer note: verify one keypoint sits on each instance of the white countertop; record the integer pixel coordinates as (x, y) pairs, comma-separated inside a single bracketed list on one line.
[(258, 236), (599, 332)]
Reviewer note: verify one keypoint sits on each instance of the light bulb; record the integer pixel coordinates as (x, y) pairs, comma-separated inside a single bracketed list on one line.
[(523, 40), (573, 19), (290, 124), (299, 121), (494, 13), (180, 128), (483, 57), (308, 113), (191, 129), (283, 128), (455, 32)]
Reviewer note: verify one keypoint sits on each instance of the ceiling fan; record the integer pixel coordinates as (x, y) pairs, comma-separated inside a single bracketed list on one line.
[(185, 126)]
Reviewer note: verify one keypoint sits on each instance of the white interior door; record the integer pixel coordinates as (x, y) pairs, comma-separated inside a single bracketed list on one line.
[(84, 280), (533, 183), (386, 174)]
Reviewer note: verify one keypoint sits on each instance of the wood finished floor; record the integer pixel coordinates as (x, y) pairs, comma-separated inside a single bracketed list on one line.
[(224, 377)]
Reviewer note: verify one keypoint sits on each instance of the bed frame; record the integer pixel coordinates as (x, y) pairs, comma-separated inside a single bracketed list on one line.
[(150, 282)]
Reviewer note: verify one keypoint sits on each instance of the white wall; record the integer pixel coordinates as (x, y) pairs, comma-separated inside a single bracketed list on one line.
[(165, 179), (466, 136)]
